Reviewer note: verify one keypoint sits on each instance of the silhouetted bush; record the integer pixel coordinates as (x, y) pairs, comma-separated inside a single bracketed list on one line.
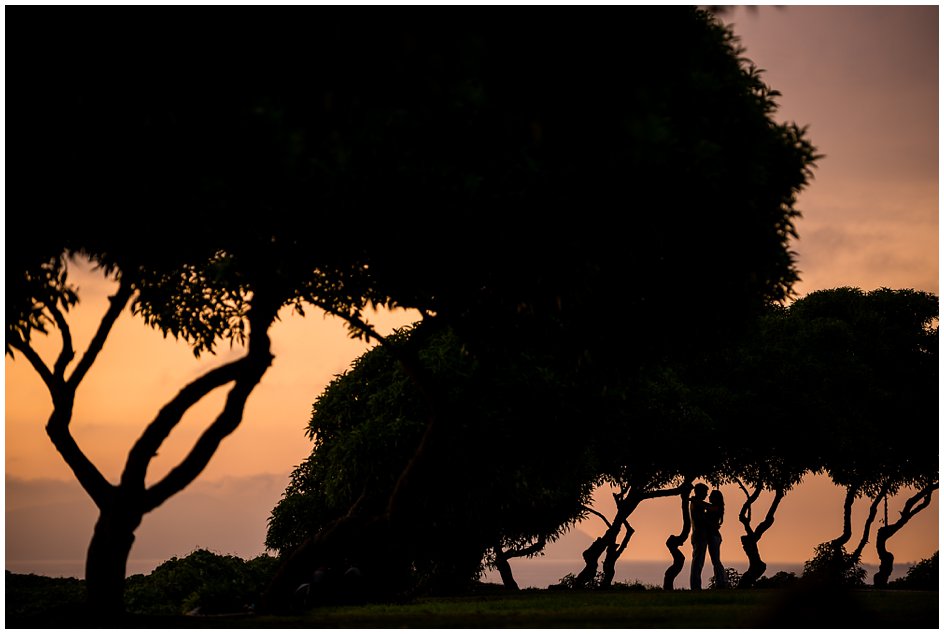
[(204, 581), (31, 595), (831, 566), (921, 576), (780, 580), (732, 579)]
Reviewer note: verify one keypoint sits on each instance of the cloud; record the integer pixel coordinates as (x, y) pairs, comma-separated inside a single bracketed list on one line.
[(49, 523)]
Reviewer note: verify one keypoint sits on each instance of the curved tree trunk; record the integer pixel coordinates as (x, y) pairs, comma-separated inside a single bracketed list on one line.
[(674, 542), (749, 541), (626, 502), (852, 491), (504, 568), (913, 506), (613, 553)]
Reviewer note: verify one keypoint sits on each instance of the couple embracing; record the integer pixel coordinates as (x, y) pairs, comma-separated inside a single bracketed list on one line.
[(707, 516)]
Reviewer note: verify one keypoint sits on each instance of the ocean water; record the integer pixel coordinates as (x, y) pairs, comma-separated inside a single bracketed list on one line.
[(540, 573)]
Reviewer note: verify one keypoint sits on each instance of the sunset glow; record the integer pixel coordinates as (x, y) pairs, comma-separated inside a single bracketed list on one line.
[(865, 80)]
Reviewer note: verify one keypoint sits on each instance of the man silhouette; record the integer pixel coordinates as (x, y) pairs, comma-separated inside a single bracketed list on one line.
[(701, 529)]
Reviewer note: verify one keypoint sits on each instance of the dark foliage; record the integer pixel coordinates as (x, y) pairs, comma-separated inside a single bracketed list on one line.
[(29, 596), (202, 581), (833, 567), (781, 579), (924, 575)]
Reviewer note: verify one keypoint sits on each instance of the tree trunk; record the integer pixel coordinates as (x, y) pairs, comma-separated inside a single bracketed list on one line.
[(886, 559), (873, 509), (913, 506), (756, 567), (750, 540), (107, 559), (613, 553), (504, 569), (591, 556), (674, 542), (851, 494)]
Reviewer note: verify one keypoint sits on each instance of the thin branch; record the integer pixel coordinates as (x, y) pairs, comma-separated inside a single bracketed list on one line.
[(67, 354), (117, 302), (356, 321), (873, 509), (768, 520), (598, 514), (35, 360), (913, 506), (530, 550)]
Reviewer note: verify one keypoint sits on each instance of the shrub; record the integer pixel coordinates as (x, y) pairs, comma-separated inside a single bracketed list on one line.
[(832, 566), (202, 580), (921, 576), (732, 578), (780, 580)]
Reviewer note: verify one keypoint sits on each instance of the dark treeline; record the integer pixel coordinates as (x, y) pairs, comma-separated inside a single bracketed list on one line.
[(810, 388), (586, 213)]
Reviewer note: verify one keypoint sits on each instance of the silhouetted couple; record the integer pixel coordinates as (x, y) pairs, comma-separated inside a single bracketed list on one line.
[(707, 517)]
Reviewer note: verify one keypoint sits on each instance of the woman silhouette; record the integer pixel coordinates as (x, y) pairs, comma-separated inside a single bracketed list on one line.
[(715, 517)]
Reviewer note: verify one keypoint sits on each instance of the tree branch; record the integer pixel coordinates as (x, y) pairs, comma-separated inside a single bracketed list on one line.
[(170, 415), (250, 372), (851, 494), (768, 520), (17, 343), (530, 550), (117, 302), (87, 474), (598, 514), (913, 506), (873, 509), (67, 354)]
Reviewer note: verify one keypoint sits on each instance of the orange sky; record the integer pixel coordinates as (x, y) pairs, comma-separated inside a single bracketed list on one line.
[(863, 78)]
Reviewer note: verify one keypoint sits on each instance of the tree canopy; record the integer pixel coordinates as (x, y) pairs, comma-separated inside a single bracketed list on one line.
[(559, 199)]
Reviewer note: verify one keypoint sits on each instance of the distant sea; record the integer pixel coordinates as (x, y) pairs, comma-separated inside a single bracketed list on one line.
[(540, 573)]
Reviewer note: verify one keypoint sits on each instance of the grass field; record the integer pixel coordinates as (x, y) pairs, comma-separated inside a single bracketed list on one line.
[(795, 608)]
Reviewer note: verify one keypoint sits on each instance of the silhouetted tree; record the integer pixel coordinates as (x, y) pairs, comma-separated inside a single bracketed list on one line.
[(872, 358), (365, 426), (171, 173), (513, 189), (755, 389)]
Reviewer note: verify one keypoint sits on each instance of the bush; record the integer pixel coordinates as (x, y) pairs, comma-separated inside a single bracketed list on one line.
[(780, 580), (202, 580), (834, 567), (32, 595), (921, 576), (732, 578)]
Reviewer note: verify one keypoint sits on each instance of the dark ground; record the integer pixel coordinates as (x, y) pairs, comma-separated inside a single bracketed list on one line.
[(40, 602)]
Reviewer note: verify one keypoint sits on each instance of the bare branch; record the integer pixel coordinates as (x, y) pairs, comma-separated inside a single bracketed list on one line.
[(356, 321), (873, 509), (598, 514), (250, 372), (170, 415), (768, 520), (117, 302), (88, 475), (35, 360), (67, 353)]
